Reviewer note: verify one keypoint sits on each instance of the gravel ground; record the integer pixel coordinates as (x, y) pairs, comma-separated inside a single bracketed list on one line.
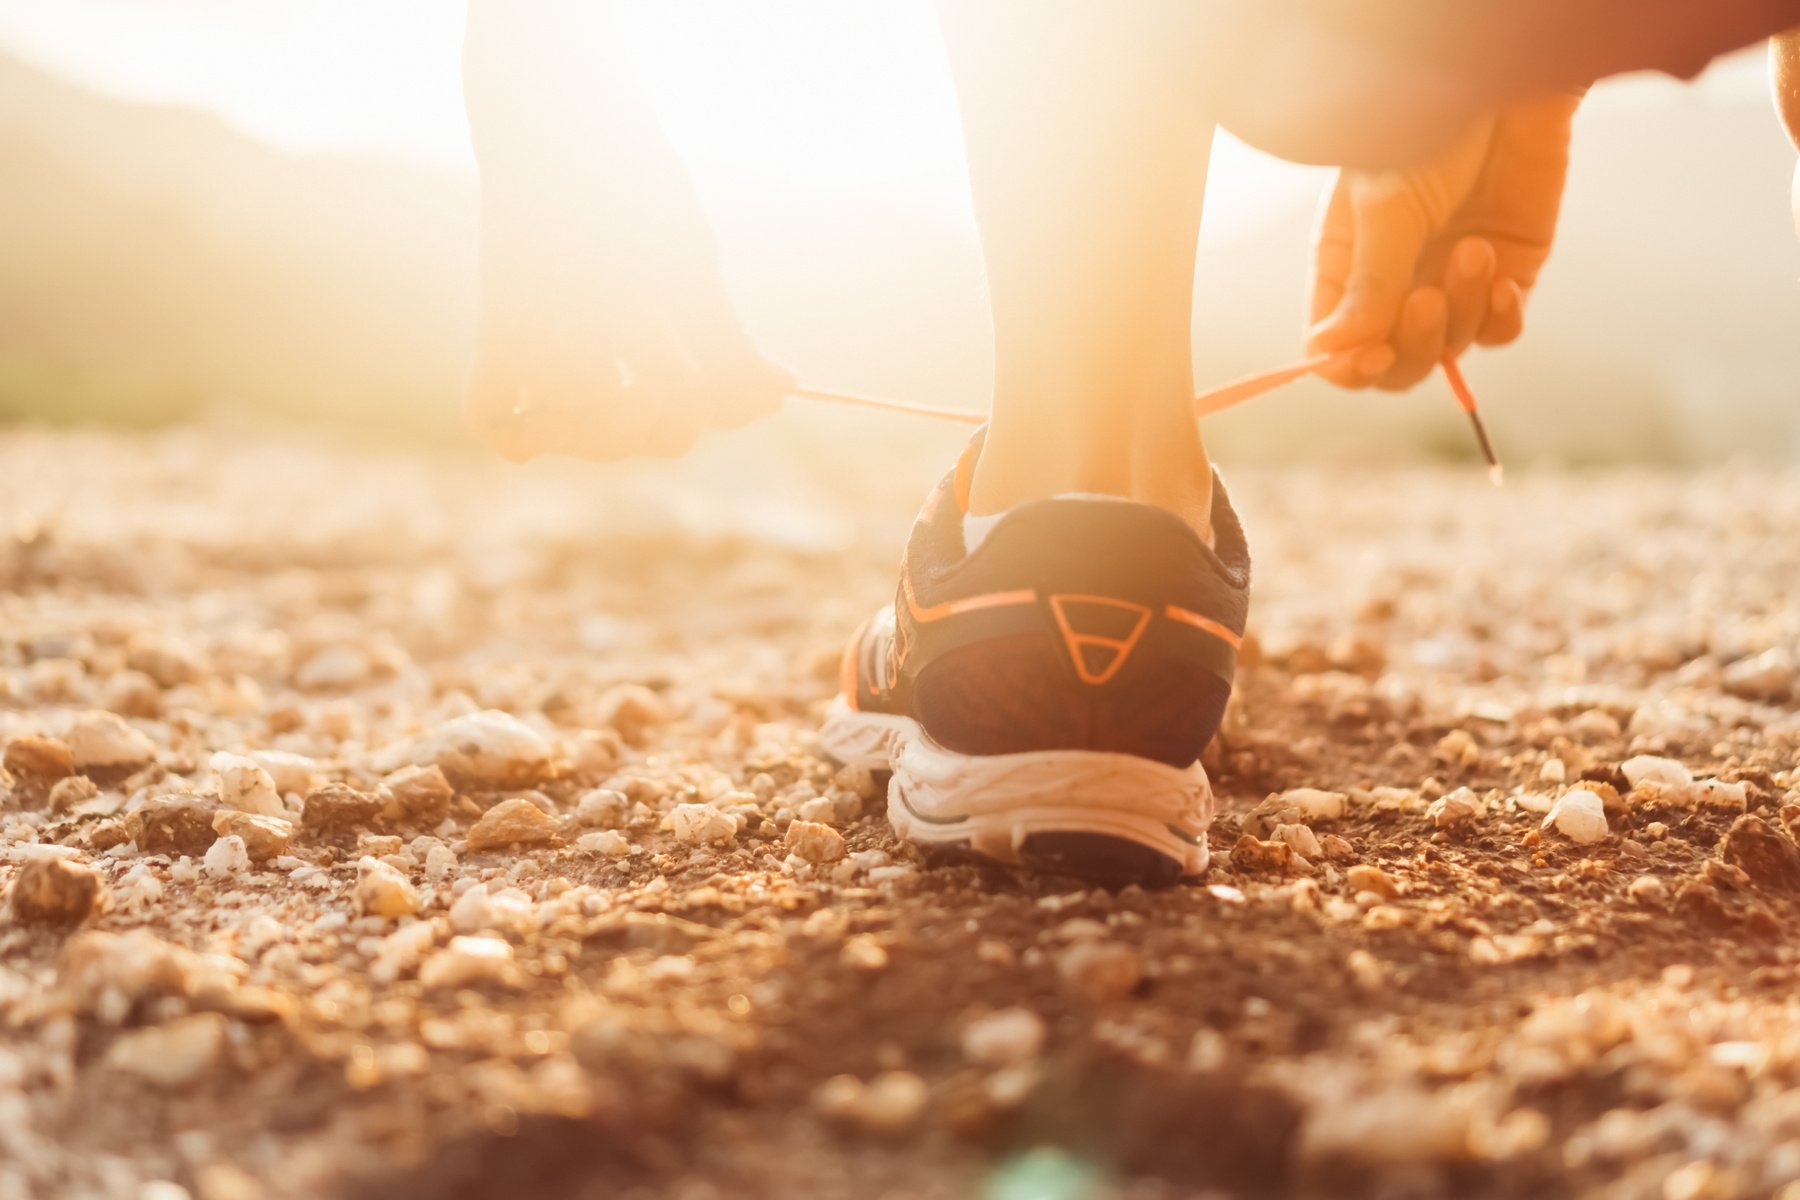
[(375, 826)]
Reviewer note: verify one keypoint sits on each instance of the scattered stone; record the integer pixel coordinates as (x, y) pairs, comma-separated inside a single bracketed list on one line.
[(168, 661), (1300, 838), (1367, 877), (382, 891), (1301, 806), (515, 822), (38, 762), (180, 824), (1337, 849), (66, 794), (1366, 970), (1580, 816), (1770, 676), (139, 891), (603, 808), (1648, 891), (55, 891), (246, 787), (401, 950), (1004, 1038), (487, 750), (1699, 901), (1459, 808), (1253, 855), (338, 810), (226, 858), (1457, 748), (814, 842), (887, 1106), (634, 711), (470, 961), (864, 952), (102, 742), (173, 1054), (608, 843), (1099, 972), (1767, 855), (440, 862), (1720, 796), (420, 795), (263, 838), (702, 825), (492, 909), (292, 773), (335, 668), (1663, 772)]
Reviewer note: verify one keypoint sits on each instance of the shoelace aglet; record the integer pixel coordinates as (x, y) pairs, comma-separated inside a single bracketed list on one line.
[(1465, 399)]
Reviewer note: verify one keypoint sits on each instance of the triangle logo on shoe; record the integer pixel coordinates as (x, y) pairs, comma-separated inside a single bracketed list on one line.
[(1100, 633)]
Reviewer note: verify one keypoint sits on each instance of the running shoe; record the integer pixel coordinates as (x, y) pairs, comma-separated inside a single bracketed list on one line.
[(1043, 696)]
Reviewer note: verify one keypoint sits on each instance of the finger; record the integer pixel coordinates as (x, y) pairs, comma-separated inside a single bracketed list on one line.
[(1389, 229), (1468, 283), (1332, 239), (1418, 338), (1506, 314)]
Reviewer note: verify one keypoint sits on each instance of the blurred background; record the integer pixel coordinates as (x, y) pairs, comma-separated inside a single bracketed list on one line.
[(263, 211)]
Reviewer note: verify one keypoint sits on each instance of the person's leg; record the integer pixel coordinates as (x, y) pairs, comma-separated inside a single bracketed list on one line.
[(1087, 134)]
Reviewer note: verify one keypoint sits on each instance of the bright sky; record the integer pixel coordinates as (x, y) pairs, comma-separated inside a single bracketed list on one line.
[(780, 93)]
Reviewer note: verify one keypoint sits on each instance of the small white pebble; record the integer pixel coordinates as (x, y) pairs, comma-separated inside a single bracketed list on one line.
[(245, 786), (1314, 804), (702, 824), (226, 858), (502, 910), (1720, 796), (609, 843), (1304, 841), (1664, 772), (602, 808), (440, 862), (1579, 816), (1004, 1038), (382, 891), (469, 960), (814, 842)]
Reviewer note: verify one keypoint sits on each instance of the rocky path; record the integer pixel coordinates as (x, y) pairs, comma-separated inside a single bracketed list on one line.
[(384, 827)]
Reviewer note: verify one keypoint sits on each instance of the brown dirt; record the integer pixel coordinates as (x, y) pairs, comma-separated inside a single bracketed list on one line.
[(1524, 1015)]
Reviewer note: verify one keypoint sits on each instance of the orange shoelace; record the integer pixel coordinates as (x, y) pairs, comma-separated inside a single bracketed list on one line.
[(1220, 398)]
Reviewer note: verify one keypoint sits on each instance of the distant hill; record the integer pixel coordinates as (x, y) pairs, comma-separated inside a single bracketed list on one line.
[(155, 263)]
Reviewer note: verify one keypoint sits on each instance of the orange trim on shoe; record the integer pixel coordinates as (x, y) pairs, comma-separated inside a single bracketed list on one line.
[(1205, 624), (967, 604), (1121, 648)]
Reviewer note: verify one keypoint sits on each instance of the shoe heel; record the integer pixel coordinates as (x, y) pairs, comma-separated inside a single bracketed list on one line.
[(1115, 819)]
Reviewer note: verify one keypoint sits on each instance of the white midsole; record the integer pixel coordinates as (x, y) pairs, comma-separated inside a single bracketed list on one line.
[(994, 802)]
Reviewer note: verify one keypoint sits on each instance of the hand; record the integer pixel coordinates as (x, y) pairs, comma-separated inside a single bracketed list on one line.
[(605, 329), (1412, 265)]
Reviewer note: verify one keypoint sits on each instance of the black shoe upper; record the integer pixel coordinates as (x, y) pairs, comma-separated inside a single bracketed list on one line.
[(1082, 623)]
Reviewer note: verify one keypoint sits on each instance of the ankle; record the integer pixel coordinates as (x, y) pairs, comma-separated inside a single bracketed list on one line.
[(1144, 458)]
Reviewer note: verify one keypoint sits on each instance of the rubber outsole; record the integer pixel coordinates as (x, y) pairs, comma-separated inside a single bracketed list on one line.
[(1111, 819)]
